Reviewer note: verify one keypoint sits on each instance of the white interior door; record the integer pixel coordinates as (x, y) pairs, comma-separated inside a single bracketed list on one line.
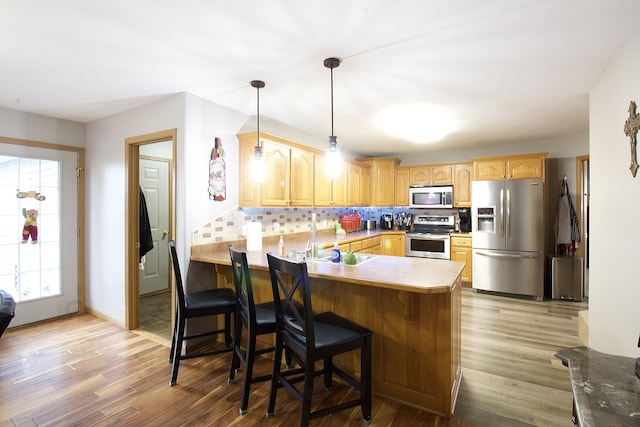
[(39, 264), (154, 181)]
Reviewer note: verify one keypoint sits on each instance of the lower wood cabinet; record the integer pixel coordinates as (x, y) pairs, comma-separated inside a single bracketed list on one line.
[(461, 250), (393, 244)]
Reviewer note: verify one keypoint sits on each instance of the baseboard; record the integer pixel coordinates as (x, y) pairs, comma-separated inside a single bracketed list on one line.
[(583, 327), (104, 317)]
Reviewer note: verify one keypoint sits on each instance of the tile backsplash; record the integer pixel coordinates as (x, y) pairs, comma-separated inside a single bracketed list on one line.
[(231, 225)]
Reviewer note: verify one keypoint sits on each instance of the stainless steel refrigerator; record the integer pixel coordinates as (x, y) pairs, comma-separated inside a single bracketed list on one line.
[(508, 236)]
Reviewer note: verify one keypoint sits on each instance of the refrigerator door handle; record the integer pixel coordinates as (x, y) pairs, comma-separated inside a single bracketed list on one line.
[(502, 213), (508, 213), (507, 255)]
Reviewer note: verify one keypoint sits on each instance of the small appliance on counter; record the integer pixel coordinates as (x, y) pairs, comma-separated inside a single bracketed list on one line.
[(386, 221), (465, 220), (369, 224)]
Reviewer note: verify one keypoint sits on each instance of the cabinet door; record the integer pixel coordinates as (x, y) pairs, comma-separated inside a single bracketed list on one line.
[(249, 191), (365, 186), (323, 186), (461, 250), (275, 188), (339, 189), (420, 175), (393, 244), (353, 184), (402, 186), (489, 169), (442, 175), (301, 182), (526, 167), (462, 185), (383, 183)]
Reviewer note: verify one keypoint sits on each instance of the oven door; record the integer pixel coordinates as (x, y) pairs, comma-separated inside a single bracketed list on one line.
[(428, 246)]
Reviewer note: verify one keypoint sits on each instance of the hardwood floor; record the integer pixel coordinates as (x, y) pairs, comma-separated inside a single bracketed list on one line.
[(87, 372)]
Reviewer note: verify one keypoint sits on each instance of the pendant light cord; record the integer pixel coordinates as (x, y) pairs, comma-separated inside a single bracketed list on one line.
[(332, 101)]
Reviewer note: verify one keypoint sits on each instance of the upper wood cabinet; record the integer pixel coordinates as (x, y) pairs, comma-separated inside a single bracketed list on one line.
[(383, 189), (329, 192), (431, 175), (402, 186), (462, 177), (358, 184), (249, 192), (510, 167), (289, 171)]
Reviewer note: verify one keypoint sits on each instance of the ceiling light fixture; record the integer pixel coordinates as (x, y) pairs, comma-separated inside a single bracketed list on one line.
[(258, 168), (333, 160)]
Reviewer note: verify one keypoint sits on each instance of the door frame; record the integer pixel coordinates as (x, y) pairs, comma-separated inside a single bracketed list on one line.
[(80, 208), (132, 219), (580, 250)]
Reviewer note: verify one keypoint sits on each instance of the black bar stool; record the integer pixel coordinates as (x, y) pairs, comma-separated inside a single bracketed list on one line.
[(313, 337), (189, 305)]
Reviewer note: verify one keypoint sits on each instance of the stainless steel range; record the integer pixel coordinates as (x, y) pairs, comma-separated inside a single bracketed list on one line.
[(430, 236)]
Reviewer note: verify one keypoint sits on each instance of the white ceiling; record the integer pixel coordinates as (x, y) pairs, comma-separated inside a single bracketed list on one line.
[(507, 71)]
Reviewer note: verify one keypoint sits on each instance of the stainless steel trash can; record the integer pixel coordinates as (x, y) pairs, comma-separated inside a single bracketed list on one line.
[(566, 278)]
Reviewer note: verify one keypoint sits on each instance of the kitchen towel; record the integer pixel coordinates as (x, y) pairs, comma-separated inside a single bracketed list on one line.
[(566, 225), (254, 236)]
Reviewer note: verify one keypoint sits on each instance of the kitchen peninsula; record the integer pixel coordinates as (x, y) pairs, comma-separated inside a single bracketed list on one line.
[(411, 304)]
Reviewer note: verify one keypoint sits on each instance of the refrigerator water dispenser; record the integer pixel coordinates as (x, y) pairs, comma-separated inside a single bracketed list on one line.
[(486, 219)]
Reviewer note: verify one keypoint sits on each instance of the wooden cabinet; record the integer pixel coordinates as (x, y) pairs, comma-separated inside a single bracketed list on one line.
[(383, 190), (367, 245), (402, 186), (358, 184), (510, 167), (248, 190), (462, 177), (461, 250), (420, 175), (431, 175), (329, 192), (289, 175), (289, 172), (393, 244)]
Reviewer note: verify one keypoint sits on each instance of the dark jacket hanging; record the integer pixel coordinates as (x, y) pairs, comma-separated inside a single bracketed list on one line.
[(146, 241)]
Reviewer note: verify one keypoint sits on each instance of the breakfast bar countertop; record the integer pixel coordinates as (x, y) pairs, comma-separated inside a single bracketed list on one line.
[(419, 275), (417, 344)]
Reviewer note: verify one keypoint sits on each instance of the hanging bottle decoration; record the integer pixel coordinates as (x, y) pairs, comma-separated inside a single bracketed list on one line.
[(217, 173)]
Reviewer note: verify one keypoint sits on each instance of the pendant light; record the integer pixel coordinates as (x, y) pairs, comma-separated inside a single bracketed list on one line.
[(257, 166), (333, 160)]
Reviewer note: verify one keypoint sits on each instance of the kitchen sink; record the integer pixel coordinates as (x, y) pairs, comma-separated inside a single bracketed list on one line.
[(325, 256)]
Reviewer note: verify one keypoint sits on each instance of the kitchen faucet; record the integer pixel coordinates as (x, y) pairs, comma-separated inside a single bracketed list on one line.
[(314, 246)]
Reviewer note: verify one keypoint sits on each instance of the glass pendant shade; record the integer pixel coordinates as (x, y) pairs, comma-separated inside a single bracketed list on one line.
[(333, 160), (257, 166)]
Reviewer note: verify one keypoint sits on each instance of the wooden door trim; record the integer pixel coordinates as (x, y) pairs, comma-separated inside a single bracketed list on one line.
[(132, 215)]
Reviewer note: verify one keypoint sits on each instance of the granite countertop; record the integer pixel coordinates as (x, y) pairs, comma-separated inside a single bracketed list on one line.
[(418, 275), (606, 390)]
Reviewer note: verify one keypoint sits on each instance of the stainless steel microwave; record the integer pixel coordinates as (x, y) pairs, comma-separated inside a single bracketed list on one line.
[(431, 196)]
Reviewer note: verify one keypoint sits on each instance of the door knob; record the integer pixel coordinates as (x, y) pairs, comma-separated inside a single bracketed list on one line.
[(164, 234)]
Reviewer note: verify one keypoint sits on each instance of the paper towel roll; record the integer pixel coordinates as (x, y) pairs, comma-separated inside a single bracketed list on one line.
[(254, 236)]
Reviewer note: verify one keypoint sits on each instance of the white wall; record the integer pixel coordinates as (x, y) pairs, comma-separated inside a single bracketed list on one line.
[(33, 127), (197, 122), (614, 311), (105, 186)]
